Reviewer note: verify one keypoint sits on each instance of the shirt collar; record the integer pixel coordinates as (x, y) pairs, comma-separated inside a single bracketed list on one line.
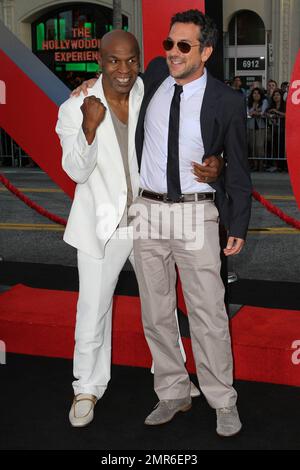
[(190, 88)]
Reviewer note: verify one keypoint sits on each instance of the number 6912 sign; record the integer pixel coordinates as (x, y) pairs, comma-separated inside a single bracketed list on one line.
[(251, 63)]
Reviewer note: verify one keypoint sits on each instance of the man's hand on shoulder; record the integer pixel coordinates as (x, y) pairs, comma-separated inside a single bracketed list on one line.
[(84, 87), (209, 171)]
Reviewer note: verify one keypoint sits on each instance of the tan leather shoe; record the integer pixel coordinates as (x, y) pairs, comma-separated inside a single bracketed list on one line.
[(82, 409)]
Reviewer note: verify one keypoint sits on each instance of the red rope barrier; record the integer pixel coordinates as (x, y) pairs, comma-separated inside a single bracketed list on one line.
[(30, 203), (270, 207), (276, 211)]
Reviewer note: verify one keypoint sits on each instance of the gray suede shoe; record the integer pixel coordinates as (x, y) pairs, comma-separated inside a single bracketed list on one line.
[(165, 410), (228, 421)]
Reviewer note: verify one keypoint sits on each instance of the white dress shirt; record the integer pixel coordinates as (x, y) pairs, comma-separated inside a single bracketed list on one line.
[(155, 150)]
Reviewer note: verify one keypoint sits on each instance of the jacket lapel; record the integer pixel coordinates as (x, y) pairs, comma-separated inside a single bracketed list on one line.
[(135, 100), (108, 142), (108, 138), (149, 92), (107, 124)]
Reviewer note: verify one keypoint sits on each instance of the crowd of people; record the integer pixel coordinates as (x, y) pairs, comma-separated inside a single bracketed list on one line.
[(266, 124)]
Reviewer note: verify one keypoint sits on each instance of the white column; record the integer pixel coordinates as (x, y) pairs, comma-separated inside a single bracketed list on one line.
[(285, 40), (289, 34), (8, 14), (275, 40), (295, 35)]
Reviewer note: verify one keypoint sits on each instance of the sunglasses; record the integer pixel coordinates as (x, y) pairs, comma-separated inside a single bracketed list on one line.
[(184, 47)]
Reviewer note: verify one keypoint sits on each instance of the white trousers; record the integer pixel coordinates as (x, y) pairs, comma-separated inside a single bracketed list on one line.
[(97, 282)]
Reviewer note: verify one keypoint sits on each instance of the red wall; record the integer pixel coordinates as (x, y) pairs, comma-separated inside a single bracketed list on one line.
[(156, 21), (292, 130), (29, 117)]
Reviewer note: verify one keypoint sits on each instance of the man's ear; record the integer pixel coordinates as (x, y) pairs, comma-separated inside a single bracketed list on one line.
[(206, 53)]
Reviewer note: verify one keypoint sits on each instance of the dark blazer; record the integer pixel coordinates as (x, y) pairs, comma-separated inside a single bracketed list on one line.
[(223, 128)]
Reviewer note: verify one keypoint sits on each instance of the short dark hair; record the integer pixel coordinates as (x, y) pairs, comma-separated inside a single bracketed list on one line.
[(208, 29)]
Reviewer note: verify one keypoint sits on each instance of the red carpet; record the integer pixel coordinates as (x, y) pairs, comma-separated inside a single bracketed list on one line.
[(262, 345), (41, 322)]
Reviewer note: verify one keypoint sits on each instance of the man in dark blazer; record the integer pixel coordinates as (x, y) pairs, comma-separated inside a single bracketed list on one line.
[(185, 116), (221, 106)]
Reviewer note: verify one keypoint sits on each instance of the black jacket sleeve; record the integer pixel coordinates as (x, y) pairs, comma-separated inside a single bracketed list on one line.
[(238, 184)]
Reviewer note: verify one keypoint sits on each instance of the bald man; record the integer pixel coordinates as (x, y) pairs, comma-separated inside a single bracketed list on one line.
[(97, 137)]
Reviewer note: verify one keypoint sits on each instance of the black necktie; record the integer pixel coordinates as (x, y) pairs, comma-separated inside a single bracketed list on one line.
[(173, 177)]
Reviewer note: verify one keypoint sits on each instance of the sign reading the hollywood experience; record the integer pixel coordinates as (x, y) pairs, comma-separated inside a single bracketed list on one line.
[(80, 48)]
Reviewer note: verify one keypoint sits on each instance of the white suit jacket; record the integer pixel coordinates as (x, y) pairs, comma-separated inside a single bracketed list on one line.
[(98, 171)]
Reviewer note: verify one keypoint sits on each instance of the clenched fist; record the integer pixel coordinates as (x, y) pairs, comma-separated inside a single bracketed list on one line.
[(93, 111)]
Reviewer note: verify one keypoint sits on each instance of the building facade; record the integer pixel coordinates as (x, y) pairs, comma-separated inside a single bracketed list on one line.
[(261, 38), (66, 34)]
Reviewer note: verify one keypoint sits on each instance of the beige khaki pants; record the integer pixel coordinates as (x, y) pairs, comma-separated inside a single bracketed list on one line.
[(157, 249)]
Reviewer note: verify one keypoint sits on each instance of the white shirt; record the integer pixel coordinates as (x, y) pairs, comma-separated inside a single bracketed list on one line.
[(153, 175)]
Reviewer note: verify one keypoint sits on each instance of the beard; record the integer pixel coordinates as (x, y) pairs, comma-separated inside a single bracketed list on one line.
[(182, 74)]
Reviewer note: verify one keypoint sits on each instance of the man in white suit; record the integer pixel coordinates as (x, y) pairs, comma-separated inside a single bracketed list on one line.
[(97, 138), (93, 132)]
